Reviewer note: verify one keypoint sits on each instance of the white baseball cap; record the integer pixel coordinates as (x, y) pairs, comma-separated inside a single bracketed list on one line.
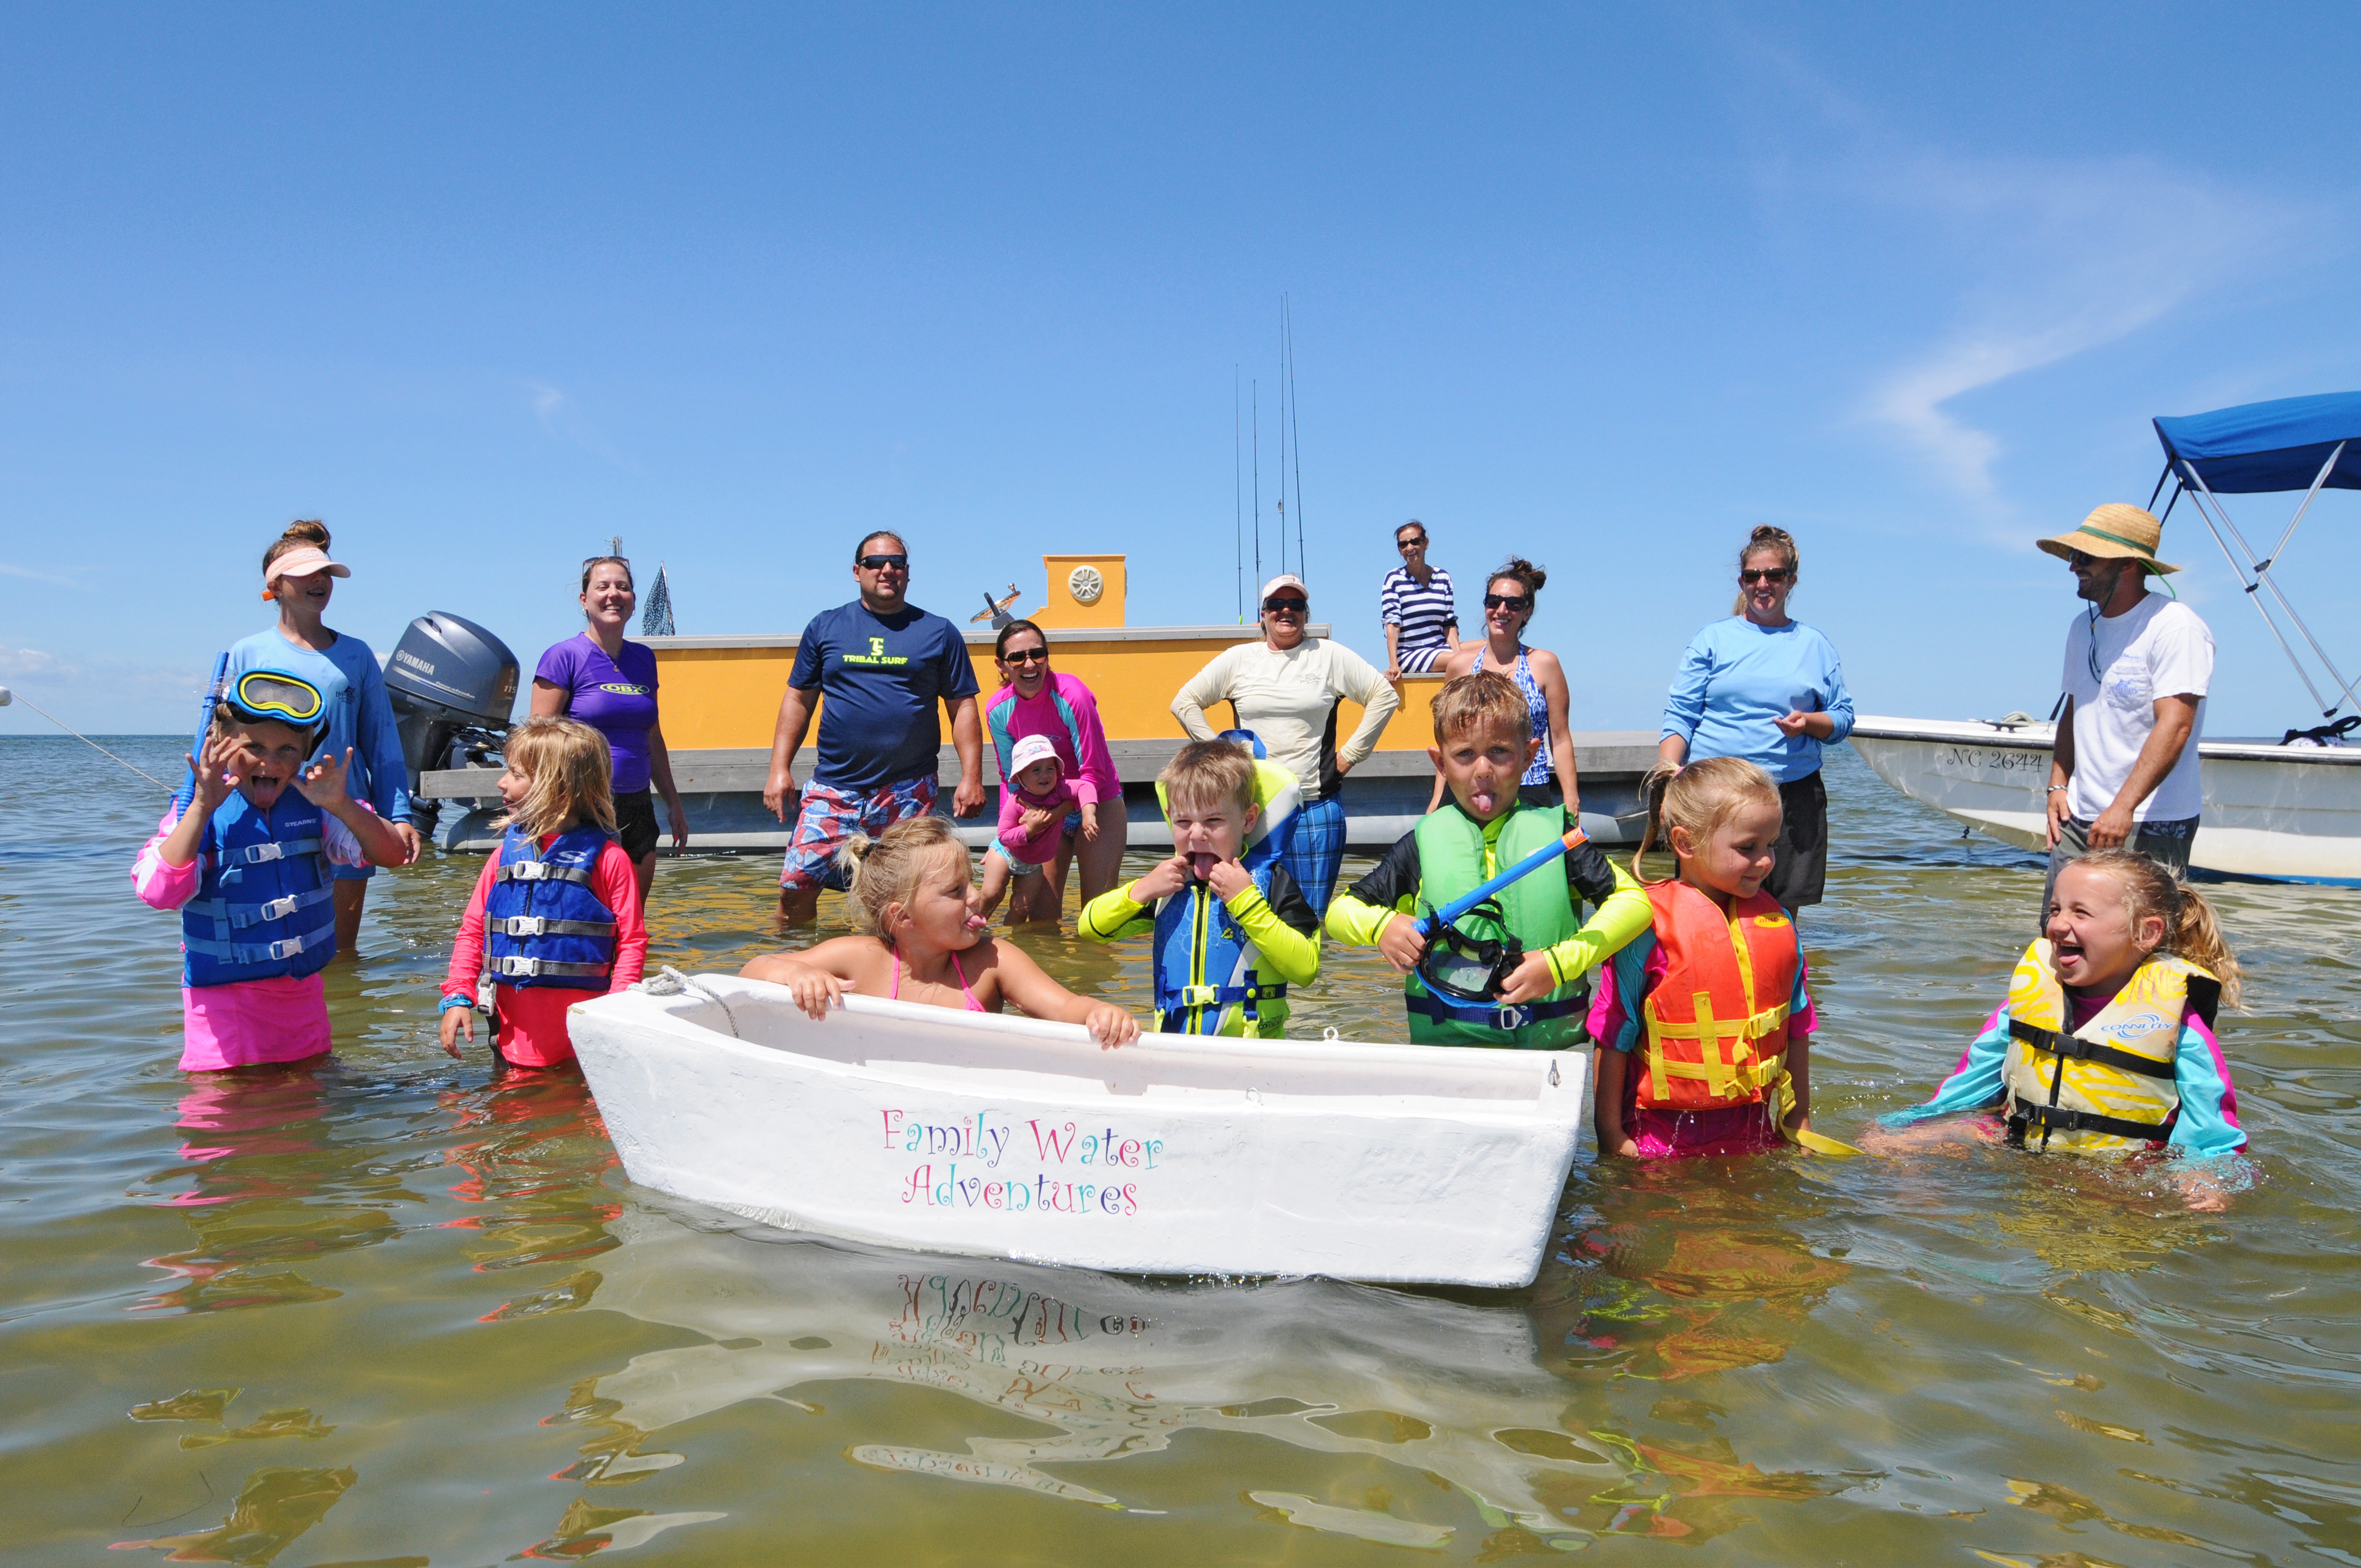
[(1031, 749), (1286, 580)]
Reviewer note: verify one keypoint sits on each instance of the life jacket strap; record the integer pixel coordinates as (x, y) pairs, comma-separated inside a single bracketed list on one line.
[(2025, 1115), (273, 849), (541, 870), (513, 966), (543, 925), (238, 917), (2074, 1045), (261, 952), (1506, 1016), (1219, 996)]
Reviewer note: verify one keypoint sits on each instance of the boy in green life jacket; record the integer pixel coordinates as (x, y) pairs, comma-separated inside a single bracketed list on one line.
[(1484, 741), (1232, 931)]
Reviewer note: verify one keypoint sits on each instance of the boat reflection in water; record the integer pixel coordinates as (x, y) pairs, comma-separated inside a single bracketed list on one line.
[(1118, 1366)]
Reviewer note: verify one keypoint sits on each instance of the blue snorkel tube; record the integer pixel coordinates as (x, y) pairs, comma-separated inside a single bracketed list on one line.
[(213, 690), (1451, 912)]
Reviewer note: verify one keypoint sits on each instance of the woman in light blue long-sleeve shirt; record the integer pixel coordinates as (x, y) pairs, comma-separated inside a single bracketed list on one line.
[(298, 575), (1770, 690)]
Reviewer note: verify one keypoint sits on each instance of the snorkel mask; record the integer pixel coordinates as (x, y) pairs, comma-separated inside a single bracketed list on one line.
[(1467, 968), (277, 697)]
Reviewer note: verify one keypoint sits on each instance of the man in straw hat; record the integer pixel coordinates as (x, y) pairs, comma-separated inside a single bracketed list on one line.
[(2138, 663)]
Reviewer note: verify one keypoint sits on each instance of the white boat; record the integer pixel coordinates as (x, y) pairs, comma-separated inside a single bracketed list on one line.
[(999, 1137), (2279, 812), (2287, 812)]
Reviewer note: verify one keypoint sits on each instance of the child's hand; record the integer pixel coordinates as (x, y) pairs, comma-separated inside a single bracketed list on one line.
[(214, 768), (1532, 980), (1619, 1142), (815, 990), (1400, 944), (1035, 820), (1091, 822), (1228, 879), (1167, 878), (1111, 1024), (457, 1021), (323, 784)]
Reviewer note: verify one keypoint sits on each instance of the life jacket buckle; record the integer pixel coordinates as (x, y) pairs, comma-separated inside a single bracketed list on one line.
[(287, 948), (1508, 1019), (1200, 995), (278, 908), (527, 924), (512, 965), (256, 853)]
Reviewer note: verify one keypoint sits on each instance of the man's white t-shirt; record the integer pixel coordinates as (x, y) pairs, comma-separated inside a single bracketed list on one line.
[(2157, 647)]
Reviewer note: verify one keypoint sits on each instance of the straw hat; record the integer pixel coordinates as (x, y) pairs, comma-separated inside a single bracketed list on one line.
[(2114, 532)]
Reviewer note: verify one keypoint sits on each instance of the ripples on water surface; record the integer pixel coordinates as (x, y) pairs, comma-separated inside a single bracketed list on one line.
[(399, 1310)]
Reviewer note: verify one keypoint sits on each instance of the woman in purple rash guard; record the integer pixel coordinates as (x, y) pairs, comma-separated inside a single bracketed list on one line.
[(610, 684)]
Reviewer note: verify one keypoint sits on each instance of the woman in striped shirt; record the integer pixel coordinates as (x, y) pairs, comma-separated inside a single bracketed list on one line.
[(1422, 619)]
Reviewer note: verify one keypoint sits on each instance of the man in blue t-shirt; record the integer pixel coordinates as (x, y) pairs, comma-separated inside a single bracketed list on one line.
[(883, 663)]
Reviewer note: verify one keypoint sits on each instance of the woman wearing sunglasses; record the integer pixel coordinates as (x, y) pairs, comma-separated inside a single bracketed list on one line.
[(298, 576), (1509, 601), (1033, 699), (1286, 688), (1770, 690)]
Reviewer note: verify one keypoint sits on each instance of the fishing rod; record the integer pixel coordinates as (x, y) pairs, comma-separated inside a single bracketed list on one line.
[(7, 697), (1237, 489), (1295, 441)]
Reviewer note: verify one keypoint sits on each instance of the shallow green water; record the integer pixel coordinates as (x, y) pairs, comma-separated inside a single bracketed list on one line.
[(396, 1311)]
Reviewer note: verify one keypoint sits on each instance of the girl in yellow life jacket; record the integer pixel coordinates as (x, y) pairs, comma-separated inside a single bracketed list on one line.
[(2105, 1042), (1703, 1020)]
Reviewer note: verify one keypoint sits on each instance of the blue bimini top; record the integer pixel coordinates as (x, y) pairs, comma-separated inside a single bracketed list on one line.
[(2278, 445)]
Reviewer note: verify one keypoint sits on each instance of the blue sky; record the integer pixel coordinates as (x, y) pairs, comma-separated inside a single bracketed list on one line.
[(481, 286)]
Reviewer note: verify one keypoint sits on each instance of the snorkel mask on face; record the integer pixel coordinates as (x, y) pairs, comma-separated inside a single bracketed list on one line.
[(276, 697)]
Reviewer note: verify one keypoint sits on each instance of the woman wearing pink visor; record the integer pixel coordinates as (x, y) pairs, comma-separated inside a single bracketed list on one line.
[(298, 574)]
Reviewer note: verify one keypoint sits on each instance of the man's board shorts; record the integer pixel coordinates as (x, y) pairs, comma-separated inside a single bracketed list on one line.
[(828, 816), (1019, 867)]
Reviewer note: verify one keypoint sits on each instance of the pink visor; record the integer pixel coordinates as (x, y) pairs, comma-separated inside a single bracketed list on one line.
[(309, 561)]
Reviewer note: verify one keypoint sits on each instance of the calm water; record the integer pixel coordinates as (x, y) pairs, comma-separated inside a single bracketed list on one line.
[(399, 1310)]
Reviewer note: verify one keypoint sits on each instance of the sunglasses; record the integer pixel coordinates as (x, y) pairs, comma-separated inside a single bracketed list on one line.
[(1763, 575), (1409, 543), (1507, 601), (885, 563), (1027, 656), (1286, 606)]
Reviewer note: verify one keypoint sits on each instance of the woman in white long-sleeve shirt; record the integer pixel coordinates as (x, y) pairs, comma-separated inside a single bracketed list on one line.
[(1286, 688)]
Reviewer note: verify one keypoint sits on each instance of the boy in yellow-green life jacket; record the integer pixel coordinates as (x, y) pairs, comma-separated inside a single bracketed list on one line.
[(1484, 741), (1232, 929)]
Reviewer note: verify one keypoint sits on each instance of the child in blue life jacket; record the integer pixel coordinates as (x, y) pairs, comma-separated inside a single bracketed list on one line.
[(1232, 929), (2105, 1044), (1704, 1023), (1484, 742), (555, 918), (247, 863)]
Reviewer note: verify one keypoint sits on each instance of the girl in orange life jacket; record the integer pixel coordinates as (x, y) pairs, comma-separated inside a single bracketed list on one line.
[(1702, 1021), (2104, 1043), (912, 897), (557, 907)]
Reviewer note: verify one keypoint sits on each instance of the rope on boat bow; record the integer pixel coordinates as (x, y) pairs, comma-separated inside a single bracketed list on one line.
[(670, 981)]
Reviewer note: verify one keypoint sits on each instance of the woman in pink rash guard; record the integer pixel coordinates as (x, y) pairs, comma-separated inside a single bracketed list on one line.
[(1035, 700)]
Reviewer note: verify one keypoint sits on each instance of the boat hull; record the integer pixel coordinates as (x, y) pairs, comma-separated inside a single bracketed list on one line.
[(2276, 813), (1010, 1137)]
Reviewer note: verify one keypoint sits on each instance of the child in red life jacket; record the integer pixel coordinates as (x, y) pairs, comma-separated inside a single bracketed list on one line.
[(556, 916), (1703, 1022), (248, 863)]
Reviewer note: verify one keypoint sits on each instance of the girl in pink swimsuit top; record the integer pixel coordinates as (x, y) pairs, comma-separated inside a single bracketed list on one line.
[(912, 900)]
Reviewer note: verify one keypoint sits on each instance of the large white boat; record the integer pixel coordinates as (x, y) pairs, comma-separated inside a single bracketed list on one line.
[(1012, 1137), (2285, 811)]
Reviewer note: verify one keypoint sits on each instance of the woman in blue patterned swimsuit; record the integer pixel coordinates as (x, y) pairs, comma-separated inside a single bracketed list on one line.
[(1507, 608)]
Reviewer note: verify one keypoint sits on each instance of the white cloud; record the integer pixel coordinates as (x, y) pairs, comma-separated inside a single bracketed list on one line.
[(2072, 255), (23, 661), (8, 570)]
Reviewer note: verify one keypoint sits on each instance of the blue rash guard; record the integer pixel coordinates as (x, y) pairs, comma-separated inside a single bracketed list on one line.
[(1736, 677)]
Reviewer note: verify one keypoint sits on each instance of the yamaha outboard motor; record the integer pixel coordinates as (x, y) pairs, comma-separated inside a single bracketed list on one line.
[(452, 685)]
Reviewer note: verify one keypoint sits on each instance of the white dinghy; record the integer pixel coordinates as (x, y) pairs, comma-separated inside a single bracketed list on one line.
[(998, 1137)]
